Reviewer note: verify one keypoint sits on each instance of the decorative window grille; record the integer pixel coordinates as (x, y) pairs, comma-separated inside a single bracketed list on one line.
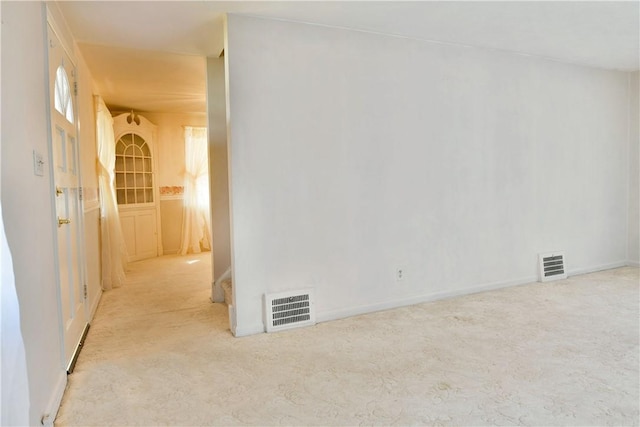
[(134, 173)]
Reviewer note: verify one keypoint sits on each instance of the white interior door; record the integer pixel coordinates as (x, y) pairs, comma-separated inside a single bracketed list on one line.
[(66, 173)]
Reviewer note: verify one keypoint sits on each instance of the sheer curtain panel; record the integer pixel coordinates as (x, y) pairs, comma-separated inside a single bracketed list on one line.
[(114, 251), (196, 223)]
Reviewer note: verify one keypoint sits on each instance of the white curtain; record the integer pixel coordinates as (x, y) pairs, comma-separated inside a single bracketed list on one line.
[(114, 251), (196, 223)]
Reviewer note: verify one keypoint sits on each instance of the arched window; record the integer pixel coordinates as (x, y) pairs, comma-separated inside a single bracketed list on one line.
[(62, 92), (134, 176)]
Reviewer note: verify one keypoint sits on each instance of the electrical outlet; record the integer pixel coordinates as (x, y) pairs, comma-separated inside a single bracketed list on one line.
[(400, 274)]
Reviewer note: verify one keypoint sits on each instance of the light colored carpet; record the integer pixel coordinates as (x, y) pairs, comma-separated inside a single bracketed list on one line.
[(562, 353)]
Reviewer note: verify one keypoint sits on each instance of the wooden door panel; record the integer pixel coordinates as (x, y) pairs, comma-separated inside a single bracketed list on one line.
[(139, 232), (128, 224), (65, 161), (146, 234)]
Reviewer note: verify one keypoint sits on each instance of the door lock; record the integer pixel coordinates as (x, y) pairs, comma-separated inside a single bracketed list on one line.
[(62, 221), (59, 191)]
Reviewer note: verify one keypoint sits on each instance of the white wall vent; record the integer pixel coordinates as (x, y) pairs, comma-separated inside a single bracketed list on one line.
[(552, 266), (286, 310)]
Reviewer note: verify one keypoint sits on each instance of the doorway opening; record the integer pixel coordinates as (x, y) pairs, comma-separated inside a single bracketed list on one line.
[(161, 181), (163, 137)]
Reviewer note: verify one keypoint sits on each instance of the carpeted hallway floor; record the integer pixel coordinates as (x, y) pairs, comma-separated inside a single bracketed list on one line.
[(561, 353)]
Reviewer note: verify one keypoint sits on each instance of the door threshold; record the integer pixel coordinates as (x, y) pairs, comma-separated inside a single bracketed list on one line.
[(76, 353)]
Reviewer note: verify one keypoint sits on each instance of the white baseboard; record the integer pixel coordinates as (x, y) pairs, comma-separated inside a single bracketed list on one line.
[(403, 302), (325, 316), (632, 263), (94, 305), (217, 293), (51, 411), (578, 271), (232, 319), (243, 331), (250, 330)]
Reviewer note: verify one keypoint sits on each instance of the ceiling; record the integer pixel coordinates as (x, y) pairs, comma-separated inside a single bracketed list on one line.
[(147, 80), (149, 55)]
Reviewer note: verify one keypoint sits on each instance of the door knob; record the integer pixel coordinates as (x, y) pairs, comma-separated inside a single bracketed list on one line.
[(59, 191), (62, 221)]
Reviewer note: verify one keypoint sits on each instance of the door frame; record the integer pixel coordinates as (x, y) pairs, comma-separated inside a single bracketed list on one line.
[(52, 25)]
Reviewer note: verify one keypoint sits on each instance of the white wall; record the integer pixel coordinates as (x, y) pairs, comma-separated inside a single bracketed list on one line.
[(170, 143), (218, 166), (634, 169), (353, 154), (14, 381), (26, 198), (220, 209)]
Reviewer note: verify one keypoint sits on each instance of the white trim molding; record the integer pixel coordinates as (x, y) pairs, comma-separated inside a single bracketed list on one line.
[(579, 271), (51, 411), (403, 302), (171, 197)]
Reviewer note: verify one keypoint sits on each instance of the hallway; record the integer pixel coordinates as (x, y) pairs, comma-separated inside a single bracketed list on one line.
[(143, 335)]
